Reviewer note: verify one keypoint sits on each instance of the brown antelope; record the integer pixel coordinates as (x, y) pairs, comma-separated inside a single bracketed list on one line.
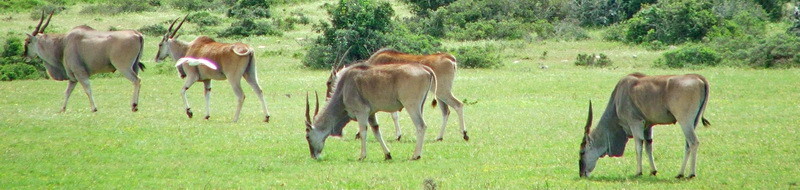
[(361, 91), (233, 61), (443, 64), (83, 52), (639, 102)]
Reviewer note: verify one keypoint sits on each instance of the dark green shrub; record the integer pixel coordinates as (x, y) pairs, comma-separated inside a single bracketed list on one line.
[(197, 5), (18, 71), (477, 57), (356, 29), (116, 7), (596, 12), (695, 55), (777, 51), (248, 27), (153, 30), (592, 60), (491, 29), (250, 9), (203, 19), (570, 31), (424, 7), (672, 22)]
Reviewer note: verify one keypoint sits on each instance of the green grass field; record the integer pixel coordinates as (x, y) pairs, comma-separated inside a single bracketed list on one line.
[(525, 125)]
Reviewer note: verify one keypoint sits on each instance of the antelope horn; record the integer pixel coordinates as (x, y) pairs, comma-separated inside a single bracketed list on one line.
[(171, 25), (179, 26), (343, 56), (589, 120), (47, 23), (36, 31), (308, 117), (316, 106)]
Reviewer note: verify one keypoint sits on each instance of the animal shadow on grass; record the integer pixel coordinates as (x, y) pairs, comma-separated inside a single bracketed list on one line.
[(629, 178)]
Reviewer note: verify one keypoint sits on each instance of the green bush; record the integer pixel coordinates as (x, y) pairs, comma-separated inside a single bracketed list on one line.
[(153, 30), (248, 27), (18, 71), (204, 18), (695, 55), (477, 57), (671, 22), (116, 7), (359, 27), (250, 9), (592, 60), (197, 5), (596, 12), (502, 19), (570, 31), (424, 7), (777, 51)]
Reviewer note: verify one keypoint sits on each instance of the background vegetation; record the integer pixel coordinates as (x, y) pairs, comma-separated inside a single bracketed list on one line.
[(525, 88)]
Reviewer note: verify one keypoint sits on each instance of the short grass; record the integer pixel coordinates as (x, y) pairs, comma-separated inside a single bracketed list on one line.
[(525, 125)]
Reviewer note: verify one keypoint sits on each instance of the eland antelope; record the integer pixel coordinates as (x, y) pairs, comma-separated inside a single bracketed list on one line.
[(637, 103), (83, 52), (443, 64), (364, 89), (233, 61)]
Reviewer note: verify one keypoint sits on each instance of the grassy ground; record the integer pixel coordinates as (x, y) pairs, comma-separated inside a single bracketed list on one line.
[(525, 125)]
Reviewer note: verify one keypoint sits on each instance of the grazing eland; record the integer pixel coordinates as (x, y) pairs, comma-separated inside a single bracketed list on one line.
[(443, 64), (83, 52), (637, 103), (364, 89), (232, 62)]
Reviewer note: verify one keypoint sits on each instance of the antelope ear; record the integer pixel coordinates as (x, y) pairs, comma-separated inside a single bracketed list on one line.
[(588, 126)]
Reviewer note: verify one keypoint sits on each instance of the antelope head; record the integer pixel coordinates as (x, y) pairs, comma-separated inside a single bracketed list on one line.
[(335, 68), (31, 47), (588, 159), (166, 41), (316, 139)]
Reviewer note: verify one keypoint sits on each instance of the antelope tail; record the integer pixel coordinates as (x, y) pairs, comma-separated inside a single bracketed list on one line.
[(435, 85), (705, 122), (137, 65)]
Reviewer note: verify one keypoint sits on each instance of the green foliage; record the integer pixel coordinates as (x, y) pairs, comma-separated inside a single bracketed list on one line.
[(359, 27), (153, 30), (592, 60), (117, 7), (204, 19), (773, 8), (695, 55), (19, 5), (14, 67), (197, 5), (250, 9), (596, 12), (777, 51), (476, 19), (477, 56), (248, 27), (672, 22), (423, 8), (570, 31)]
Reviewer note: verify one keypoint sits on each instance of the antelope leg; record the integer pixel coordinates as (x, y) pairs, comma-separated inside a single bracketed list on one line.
[(87, 87), (207, 93), (373, 122), (70, 86)]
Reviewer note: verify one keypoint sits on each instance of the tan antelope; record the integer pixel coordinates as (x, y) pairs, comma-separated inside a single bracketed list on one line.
[(443, 64), (233, 61), (361, 91), (83, 52), (639, 102)]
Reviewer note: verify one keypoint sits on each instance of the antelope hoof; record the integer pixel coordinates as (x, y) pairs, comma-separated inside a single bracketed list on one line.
[(680, 176), (266, 119), (638, 174), (358, 135), (189, 112), (362, 158), (439, 139), (94, 110), (653, 173), (416, 157), (208, 116), (691, 176), (398, 137), (388, 156), (135, 107)]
